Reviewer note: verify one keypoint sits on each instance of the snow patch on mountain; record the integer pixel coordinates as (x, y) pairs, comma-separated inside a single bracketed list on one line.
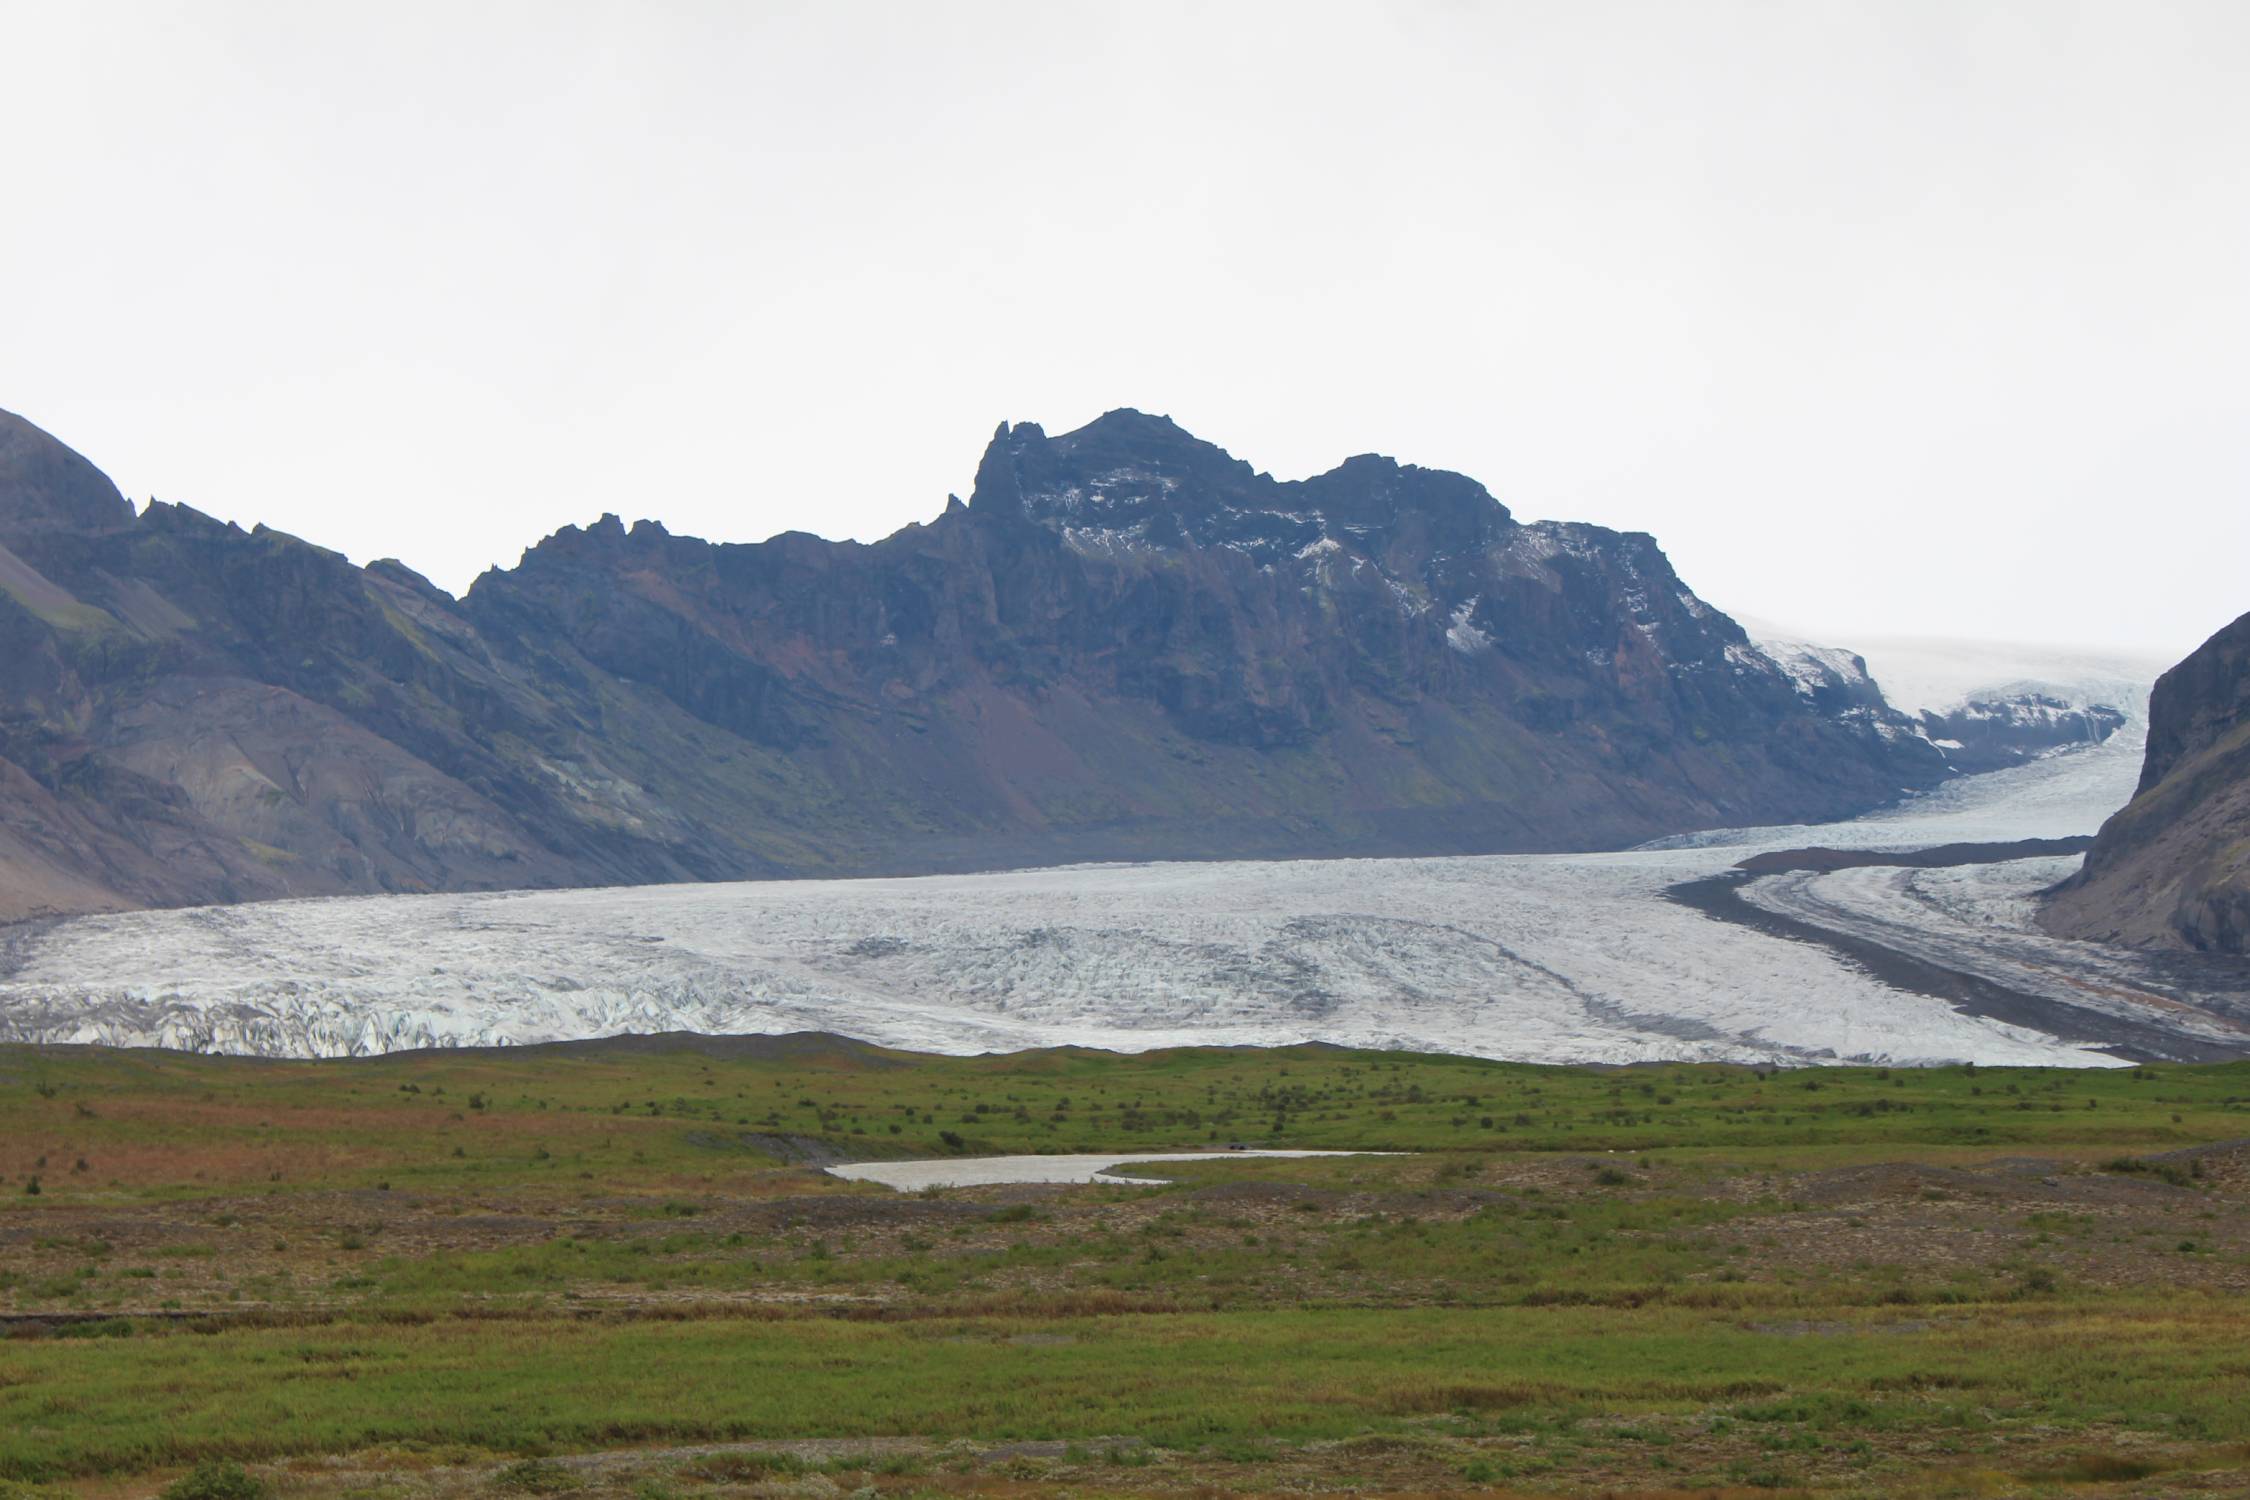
[(1462, 635), (1815, 669), (1920, 674), (1982, 705)]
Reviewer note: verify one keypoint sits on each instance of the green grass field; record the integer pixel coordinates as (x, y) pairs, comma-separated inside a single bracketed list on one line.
[(413, 1274)]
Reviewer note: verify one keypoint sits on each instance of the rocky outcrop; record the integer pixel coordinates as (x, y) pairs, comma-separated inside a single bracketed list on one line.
[(1126, 644), (44, 486), (1993, 731), (1989, 729), (2172, 868), (1129, 644)]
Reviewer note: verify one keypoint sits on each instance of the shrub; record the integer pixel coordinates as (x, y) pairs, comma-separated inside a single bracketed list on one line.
[(746, 1467), (535, 1476), (1243, 1451), (2097, 1468), (2162, 1171), (215, 1479)]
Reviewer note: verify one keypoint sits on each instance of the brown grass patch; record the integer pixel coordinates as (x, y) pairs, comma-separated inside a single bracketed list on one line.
[(2096, 1468), (1414, 1401)]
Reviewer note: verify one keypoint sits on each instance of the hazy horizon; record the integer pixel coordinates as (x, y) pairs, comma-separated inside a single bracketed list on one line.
[(1886, 320)]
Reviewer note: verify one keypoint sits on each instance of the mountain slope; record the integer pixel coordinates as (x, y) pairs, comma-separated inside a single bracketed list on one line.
[(1127, 644), (1131, 644), (2172, 867), (1984, 705)]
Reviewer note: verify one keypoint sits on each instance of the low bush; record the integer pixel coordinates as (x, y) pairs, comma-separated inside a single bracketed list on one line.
[(535, 1476), (215, 1479)]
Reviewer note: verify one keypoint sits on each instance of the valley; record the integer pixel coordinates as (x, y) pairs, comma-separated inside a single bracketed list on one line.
[(1127, 644), (1155, 751), (1550, 958)]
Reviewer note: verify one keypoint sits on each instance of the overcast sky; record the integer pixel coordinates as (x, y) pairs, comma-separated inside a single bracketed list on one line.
[(1884, 318)]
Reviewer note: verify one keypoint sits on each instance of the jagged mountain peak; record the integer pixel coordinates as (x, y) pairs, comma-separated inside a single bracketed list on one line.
[(1129, 482), (1370, 489), (2199, 702), (1126, 423), (394, 571), (46, 485), (1122, 460)]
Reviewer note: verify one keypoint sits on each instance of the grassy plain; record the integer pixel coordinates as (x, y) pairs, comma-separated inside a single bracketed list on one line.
[(611, 1269)]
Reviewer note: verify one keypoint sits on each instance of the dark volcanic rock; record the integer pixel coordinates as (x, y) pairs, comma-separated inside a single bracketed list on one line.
[(2172, 868), (1131, 644), (44, 485), (1986, 734), (1128, 644)]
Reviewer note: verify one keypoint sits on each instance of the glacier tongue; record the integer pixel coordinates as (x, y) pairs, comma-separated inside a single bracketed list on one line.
[(1560, 958), (1550, 959)]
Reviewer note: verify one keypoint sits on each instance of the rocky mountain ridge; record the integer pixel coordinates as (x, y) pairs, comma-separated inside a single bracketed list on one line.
[(1126, 644), (1992, 726), (2172, 867)]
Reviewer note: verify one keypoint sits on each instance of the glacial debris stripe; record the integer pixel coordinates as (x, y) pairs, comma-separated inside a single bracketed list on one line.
[(1125, 644)]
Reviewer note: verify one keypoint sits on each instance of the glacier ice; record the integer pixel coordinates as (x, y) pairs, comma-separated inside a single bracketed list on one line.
[(1553, 958)]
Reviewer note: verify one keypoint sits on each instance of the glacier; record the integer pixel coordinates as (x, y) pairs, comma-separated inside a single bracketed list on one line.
[(1570, 958)]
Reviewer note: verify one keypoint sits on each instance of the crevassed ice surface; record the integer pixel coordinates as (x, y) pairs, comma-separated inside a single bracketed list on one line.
[(1562, 958)]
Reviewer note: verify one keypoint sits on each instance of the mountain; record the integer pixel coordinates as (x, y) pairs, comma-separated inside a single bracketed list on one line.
[(1983, 705), (1126, 644), (2172, 868)]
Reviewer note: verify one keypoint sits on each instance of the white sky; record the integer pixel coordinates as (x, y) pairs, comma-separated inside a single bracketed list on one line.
[(1885, 318)]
